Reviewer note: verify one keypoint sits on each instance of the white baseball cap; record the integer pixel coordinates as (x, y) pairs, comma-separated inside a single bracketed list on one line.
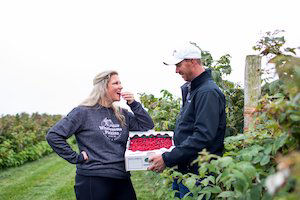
[(188, 51)]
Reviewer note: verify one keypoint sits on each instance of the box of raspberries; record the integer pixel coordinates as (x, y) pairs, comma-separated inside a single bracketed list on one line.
[(141, 145)]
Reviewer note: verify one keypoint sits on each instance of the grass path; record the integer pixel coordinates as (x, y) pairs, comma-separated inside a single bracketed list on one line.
[(37, 180), (52, 178)]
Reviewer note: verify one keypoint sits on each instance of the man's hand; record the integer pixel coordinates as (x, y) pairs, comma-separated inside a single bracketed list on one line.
[(158, 164)]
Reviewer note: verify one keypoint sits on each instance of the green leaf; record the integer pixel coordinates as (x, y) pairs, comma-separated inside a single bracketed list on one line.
[(177, 174), (216, 75), (211, 179), (241, 181), (187, 196), (256, 148), (247, 169), (202, 171), (255, 192), (205, 182), (274, 86), (225, 161), (216, 189), (208, 195), (225, 176), (268, 149), (190, 182), (295, 118), (257, 158), (282, 117), (267, 196), (279, 142), (226, 194), (212, 168), (278, 95), (218, 178), (246, 156), (200, 197), (209, 189), (265, 160)]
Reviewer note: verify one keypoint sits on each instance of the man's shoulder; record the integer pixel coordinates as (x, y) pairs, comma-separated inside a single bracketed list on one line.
[(210, 87), (207, 86)]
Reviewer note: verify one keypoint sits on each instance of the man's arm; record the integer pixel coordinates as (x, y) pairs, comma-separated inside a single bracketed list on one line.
[(205, 130)]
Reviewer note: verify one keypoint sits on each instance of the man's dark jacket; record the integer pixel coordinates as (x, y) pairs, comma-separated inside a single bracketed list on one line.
[(200, 125)]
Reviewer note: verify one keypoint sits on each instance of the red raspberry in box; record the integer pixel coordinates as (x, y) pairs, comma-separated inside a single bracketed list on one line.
[(150, 143)]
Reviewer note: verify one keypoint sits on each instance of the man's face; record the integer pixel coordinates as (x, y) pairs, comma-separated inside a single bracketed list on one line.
[(184, 68)]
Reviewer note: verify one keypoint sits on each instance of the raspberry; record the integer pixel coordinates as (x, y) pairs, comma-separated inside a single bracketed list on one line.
[(148, 143)]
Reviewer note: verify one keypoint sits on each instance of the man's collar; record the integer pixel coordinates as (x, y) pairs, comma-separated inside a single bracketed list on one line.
[(200, 79)]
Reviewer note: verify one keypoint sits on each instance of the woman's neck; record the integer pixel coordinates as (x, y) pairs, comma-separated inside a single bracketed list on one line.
[(105, 103)]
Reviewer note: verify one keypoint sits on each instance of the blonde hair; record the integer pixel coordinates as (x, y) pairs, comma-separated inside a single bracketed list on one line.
[(99, 94)]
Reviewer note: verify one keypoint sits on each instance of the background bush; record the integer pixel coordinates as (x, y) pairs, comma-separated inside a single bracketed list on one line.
[(22, 138)]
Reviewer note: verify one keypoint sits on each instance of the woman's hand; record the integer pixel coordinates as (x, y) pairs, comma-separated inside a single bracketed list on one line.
[(128, 96), (85, 156)]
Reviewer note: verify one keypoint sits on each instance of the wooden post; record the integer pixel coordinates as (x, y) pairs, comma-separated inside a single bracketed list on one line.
[(252, 87)]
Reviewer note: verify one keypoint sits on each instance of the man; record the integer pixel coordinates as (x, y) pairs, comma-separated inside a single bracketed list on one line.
[(201, 123)]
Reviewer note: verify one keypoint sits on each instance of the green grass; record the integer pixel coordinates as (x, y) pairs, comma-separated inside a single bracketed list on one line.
[(145, 184), (52, 178)]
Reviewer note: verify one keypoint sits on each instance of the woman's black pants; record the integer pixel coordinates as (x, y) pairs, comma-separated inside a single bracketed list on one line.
[(103, 188)]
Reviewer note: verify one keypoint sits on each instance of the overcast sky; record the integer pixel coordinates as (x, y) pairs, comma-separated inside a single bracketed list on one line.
[(50, 51)]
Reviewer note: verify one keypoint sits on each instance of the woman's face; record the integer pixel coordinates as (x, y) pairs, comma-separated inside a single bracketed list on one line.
[(114, 88)]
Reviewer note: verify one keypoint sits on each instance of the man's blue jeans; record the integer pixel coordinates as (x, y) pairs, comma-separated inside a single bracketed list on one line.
[(182, 189)]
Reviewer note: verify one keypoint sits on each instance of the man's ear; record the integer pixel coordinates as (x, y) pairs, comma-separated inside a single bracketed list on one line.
[(194, 61)]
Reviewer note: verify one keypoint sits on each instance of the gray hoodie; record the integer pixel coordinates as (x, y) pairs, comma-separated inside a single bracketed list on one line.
[(100, 135)]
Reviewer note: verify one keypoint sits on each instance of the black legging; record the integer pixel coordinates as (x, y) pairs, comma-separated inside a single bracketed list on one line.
[(102, 188)]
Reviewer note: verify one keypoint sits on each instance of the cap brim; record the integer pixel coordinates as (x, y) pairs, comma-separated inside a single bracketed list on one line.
[(172, 61)]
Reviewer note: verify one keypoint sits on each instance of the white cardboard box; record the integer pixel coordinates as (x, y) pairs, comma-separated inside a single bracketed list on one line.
[(138, 160)]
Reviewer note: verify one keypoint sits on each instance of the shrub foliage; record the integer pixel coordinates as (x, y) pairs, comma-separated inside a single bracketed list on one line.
[(22, 138)]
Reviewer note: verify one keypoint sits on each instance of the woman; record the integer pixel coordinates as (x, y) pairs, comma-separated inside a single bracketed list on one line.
[(101, 130)]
